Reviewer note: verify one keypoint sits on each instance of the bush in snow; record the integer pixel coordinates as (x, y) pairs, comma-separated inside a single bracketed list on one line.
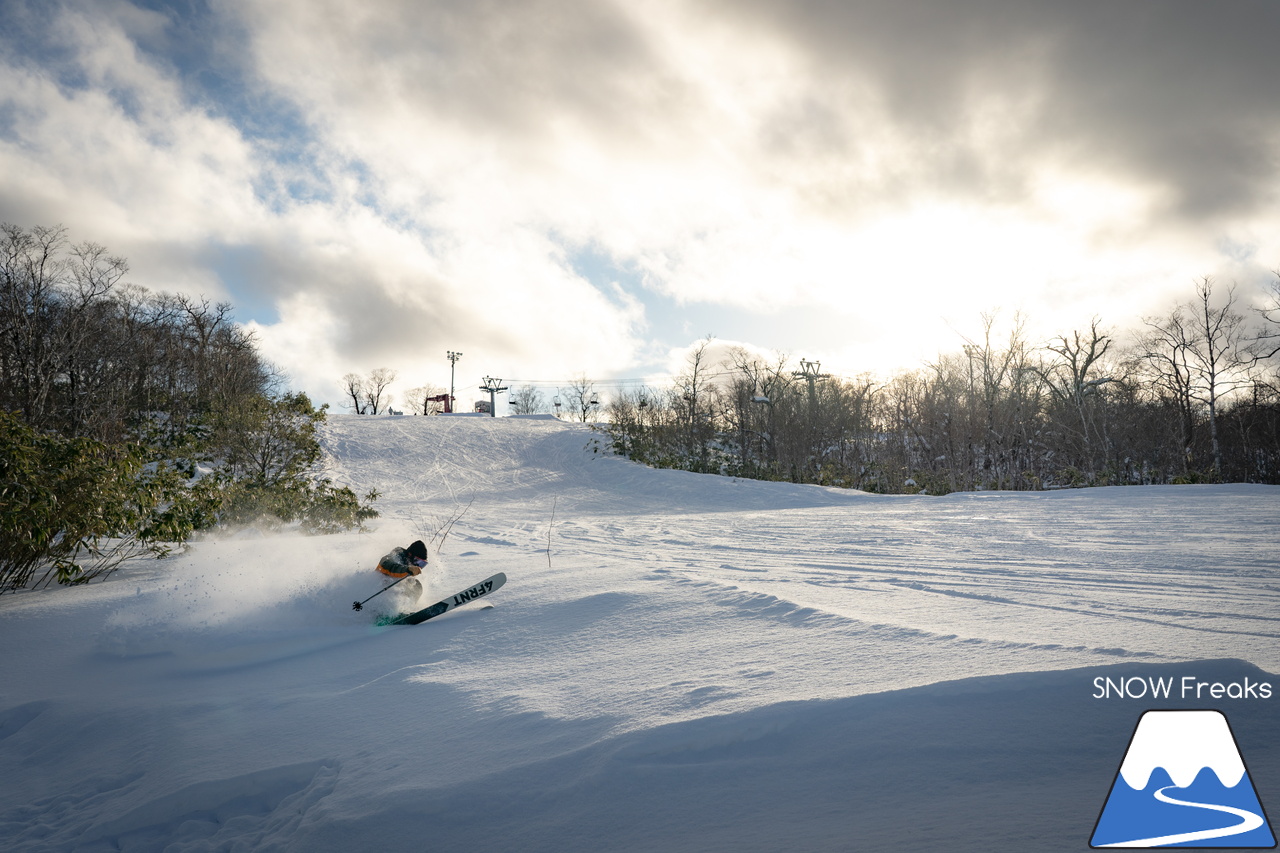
[(76, 508)]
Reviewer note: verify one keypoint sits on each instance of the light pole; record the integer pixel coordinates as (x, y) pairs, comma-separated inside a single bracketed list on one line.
[(453, 364)]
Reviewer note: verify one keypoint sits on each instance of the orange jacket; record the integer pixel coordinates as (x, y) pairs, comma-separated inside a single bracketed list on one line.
[(400, 563)]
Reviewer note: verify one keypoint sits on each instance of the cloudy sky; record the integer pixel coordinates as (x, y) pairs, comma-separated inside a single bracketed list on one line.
[(558, 187)]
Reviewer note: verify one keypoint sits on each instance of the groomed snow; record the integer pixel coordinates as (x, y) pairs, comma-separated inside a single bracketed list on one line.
[(677, 663)]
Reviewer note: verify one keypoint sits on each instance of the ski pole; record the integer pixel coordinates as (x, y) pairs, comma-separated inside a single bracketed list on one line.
[(359, 605)]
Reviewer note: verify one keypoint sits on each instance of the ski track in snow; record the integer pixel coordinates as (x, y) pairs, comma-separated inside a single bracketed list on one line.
[(678, 661)]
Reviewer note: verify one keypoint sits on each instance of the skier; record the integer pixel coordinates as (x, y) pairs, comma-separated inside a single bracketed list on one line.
[(402, 562)]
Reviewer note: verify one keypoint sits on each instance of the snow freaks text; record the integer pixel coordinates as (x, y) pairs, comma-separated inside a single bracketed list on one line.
[(1186, 687)]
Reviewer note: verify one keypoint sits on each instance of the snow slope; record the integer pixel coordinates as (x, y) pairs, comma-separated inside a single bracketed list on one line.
[(678, 662)]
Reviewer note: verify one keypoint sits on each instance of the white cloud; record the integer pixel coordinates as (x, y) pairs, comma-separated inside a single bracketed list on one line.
[(710, 151), (121, 159), (451, 159)]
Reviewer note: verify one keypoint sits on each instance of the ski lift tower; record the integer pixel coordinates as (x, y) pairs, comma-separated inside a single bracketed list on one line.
[(809, 372), (493, 386)]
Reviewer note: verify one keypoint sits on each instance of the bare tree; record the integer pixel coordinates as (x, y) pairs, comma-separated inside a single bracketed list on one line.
[(1267, 342), (527, 400), (368, 394), (1217, 358), (216, 362), (353, 385), (1001, 414), (1003, 400), (33, 317), (1198, 352), (583, 399), (747, 411), (376, 397), (695, 402), (84, 354), (1074, 381)]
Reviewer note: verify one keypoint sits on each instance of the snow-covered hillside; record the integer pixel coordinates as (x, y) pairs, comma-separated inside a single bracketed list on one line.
[(677, 662)]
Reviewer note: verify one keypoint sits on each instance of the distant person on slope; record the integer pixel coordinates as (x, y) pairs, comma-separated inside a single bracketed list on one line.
[(402, 562)]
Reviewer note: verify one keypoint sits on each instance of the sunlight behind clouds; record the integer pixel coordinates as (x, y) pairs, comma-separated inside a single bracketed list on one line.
[(864, 179)]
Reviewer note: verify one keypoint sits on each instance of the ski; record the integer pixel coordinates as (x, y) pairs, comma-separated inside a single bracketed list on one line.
[(458, 599)]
